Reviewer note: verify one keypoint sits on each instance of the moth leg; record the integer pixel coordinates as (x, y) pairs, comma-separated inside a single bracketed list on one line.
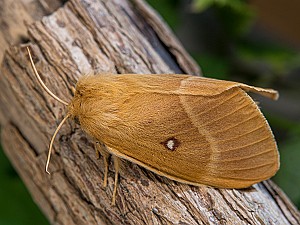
[(117, 163), (100, 149), (97, 151)]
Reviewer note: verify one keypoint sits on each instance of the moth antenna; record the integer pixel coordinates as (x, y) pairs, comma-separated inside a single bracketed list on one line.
[(41, 82), (52, 140)]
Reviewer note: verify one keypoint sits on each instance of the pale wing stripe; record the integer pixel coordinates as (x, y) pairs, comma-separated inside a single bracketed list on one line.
[(235, 125), (180, 121), (248, 157), (213, 133), (201, 145), (222, 117), (194, 120), (245, 146), (244, 134), (216, 106), (203, 112)]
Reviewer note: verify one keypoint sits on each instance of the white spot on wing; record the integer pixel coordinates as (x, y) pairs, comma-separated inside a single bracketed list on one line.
[(170, 144)]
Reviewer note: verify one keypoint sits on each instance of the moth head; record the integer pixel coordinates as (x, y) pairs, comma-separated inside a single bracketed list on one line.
[(74, 107)]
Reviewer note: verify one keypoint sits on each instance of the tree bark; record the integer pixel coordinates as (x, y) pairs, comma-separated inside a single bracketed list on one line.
[(116, 36)]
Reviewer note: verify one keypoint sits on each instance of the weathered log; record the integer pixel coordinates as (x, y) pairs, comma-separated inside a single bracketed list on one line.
[(85, 36)]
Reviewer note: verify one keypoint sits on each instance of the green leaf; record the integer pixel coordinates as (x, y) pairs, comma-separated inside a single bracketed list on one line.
[(213, 66), (236, 16), (288, 177)]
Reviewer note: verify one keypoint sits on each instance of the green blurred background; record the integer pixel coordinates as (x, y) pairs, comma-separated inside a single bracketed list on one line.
[(255, 42)]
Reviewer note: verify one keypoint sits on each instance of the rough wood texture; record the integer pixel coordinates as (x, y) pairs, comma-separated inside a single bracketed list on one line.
[(14, 15), (115, 36)]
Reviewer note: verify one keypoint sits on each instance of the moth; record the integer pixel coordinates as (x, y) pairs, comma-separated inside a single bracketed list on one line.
[(190, 129)]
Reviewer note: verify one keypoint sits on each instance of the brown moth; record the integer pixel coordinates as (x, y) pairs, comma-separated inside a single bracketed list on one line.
[(190, 129)]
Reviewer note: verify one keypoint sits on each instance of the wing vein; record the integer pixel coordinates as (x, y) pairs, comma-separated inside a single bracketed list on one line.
[(235, 125), (244, 134), (249, 156), (245, 146), (248, 168), (232, 112), (216, 106)]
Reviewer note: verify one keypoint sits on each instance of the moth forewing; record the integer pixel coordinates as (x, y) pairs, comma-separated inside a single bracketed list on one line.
[(220, 140), (189, 129)]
